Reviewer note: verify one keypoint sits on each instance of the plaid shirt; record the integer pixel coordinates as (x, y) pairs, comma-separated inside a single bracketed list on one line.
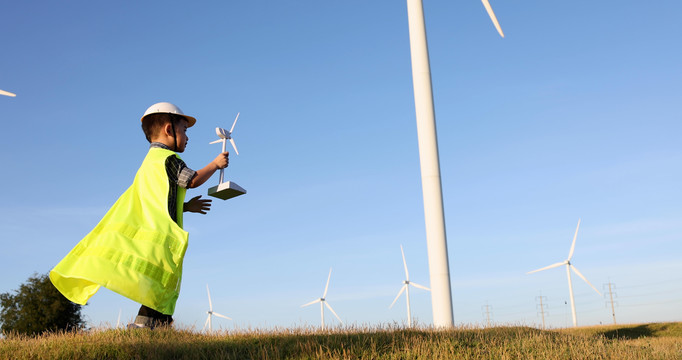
[(178, 175)]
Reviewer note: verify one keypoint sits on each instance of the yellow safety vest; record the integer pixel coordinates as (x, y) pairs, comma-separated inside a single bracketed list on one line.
[(136, 250)]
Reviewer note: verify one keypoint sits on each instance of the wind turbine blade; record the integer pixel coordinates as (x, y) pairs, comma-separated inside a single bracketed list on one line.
[(575, 270), (206, 323), (333, 312), (402, 289), (489, 9), (407, 274), (312, 302), (222, 316), (215, 142), (234, 146), (419, 286), (7, 93), (327, 287), (210, 304), (235, 123), (548, 267), (570, 253)]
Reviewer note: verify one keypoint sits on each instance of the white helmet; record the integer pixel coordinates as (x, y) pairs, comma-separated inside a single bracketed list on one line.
[(168, 108)]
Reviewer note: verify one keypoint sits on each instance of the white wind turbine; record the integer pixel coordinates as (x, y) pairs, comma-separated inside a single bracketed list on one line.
[(323, 301), (436, 241), (406, 288), (569, 267), (7, 93), (210, 312)]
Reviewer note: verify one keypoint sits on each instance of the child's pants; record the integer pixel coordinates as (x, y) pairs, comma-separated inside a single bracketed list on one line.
[(152, 318)]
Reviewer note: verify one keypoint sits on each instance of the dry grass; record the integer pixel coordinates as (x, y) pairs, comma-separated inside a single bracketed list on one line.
[(646, 341)]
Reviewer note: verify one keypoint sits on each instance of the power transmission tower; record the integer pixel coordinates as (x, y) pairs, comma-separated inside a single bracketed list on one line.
[(487, 310), (542, 300), (611, 288)]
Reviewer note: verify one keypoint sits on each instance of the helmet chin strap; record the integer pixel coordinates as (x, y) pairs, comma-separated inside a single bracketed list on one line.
[(175, 138)]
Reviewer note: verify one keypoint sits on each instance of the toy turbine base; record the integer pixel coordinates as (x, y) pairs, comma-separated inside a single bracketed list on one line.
[(226, 190)]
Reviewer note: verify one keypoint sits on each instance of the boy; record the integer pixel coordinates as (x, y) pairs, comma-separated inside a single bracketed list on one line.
[(137, 249)]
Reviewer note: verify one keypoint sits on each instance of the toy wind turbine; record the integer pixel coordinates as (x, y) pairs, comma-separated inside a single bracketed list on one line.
[(226, 190), (569, 267), (211, 313), (406, 288), (7, 93)]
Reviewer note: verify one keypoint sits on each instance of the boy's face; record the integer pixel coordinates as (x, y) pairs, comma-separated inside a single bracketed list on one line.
[(181, 135)]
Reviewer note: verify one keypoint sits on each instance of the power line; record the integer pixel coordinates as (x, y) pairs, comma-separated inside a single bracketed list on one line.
[(651, 304), (591, 311), (650, 294), (513, 307), (652, 284)]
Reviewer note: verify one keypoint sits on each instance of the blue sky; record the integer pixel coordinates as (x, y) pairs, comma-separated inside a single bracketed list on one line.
[(574, 115)]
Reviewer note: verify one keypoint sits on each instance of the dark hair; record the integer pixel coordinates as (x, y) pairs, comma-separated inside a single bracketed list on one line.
[(153, 123)]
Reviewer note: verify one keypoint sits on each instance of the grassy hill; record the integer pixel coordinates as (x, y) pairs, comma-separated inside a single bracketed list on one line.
[(641, 341)]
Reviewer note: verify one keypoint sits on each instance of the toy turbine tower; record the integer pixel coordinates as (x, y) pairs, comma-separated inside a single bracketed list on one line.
[(226, 190)]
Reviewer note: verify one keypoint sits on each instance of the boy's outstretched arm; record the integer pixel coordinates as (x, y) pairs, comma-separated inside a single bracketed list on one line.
[(220, 162)]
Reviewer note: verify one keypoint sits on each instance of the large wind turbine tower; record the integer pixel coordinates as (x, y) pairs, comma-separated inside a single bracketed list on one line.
[(439, 271)]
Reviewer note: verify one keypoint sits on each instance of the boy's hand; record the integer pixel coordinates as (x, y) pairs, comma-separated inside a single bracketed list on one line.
[(222, 160), (198, 205)]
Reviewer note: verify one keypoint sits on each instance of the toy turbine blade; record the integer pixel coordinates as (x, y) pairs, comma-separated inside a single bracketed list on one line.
[(7, 93), (489, 9), (234, 146), (402, 289), (333, 312), (235, 123)]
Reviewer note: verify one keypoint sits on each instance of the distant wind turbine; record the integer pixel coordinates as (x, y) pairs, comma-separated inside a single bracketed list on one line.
[(434, 214), (323, 301), (7, 93), (211, 313), (569, 267), (406, 288)]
